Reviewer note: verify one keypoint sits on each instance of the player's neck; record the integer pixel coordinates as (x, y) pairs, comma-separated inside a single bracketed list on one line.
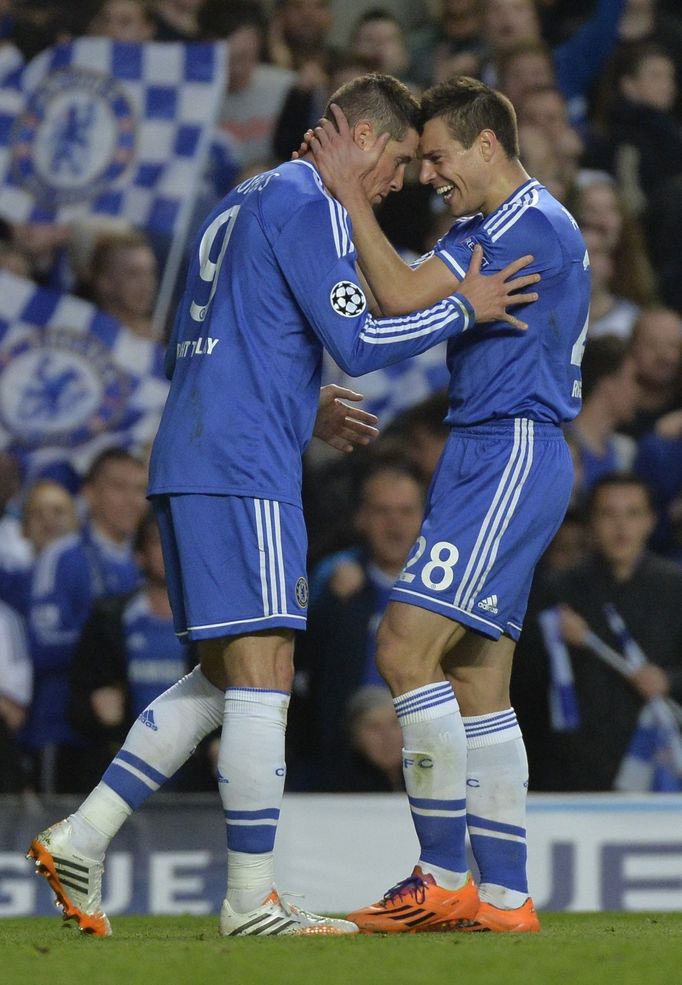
[(508, 179)]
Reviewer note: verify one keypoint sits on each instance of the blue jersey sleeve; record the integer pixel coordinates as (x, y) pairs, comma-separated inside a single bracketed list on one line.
[(320, 270)]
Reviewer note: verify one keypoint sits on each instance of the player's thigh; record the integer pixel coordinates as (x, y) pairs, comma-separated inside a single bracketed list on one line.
[(238, 564), (480, 671)]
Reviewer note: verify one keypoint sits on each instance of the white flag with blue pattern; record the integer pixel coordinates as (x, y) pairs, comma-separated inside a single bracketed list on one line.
[(73, 380), (102, 127)]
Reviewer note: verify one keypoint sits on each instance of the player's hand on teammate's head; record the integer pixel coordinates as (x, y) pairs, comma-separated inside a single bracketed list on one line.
[(492, 294), (339, 157), (341, 426)]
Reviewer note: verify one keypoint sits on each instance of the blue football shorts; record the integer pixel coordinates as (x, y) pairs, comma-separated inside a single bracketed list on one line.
[(497, 498), (234, 565)]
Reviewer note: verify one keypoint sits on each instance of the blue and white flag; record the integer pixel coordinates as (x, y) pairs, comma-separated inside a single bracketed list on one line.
[(564, 713), (653, 759), (104, 127), (73, 380)]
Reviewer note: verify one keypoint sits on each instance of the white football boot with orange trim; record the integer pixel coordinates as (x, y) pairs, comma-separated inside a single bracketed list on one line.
[(75, 880)]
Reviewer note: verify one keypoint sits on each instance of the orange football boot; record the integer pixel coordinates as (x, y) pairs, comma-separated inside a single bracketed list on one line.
[(521, 920), (417, 905)]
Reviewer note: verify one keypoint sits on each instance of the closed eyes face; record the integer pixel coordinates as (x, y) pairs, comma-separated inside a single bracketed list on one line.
[(389, 173)]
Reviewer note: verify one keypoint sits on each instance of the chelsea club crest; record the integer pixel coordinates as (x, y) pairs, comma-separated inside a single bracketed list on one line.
[(60, 388), (75, 137)]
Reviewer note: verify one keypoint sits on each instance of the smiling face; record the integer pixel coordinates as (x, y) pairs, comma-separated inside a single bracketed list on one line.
[(456, 173), (389, 173)]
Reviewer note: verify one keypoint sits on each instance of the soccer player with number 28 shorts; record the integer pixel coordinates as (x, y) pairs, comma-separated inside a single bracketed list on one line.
[(271, 281), (499, 494)]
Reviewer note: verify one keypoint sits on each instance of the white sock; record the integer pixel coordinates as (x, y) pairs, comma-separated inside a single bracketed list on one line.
[(251, 773), (434, 766), (157, 745), (496, 792)]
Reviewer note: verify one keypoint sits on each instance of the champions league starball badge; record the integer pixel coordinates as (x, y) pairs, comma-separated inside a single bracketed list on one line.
[(60, 388), (75, 137)]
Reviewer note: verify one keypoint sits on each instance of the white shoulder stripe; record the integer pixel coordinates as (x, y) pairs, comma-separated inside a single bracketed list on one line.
[(514, 218), (451, 260), (499, 215)]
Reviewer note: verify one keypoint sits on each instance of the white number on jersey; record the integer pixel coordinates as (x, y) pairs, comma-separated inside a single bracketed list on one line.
[(209, 269), (579, 345)]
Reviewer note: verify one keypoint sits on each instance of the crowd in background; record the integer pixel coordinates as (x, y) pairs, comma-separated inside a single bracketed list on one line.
[(86, 637)]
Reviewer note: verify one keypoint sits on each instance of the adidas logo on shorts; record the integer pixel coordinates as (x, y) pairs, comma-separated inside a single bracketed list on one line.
[(489, 604)]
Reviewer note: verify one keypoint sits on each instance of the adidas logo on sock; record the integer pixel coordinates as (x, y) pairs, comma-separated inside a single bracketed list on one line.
[(147, 718), (489, 604)]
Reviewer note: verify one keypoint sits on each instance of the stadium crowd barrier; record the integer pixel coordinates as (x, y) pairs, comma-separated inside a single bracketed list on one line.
[(587, 852)]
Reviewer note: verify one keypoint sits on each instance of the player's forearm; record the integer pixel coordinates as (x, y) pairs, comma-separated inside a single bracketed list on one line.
[(384, 341), (393, 283)]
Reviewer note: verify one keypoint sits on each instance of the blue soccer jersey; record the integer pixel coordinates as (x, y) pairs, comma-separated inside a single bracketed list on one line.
[(271, 281), (502, 372)]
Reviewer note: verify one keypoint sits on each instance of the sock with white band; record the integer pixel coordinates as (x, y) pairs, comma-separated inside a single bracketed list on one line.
[(496, 792), (251, 772), (157, 745), (434, 766)]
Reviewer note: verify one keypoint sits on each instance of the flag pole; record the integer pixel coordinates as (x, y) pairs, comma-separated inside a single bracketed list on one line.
[(179, 240)]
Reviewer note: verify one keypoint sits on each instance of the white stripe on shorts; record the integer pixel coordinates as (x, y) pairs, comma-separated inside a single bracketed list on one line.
[(271, 557), (498, 515)]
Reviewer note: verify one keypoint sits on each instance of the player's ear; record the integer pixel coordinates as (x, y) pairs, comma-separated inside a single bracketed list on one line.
[(363, 134), (487, 143)]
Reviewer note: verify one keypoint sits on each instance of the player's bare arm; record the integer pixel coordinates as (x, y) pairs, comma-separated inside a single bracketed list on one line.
[(397, 287)]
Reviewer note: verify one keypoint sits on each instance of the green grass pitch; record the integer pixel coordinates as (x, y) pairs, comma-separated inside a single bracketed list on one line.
[(572, 949)]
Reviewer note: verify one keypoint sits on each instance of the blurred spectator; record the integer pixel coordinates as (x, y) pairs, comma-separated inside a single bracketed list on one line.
[(298, 37), (15, 552), (69, 572), (540, 158), (127, 655), (546, 108), (378, 37), (657, 351), (577, 60), (659, 462), (14, 260), (451, 45), (123, 280), (56, 599), (348, 594), (569, 547), (114, 491), (45, 248), (177, 20), (647, 21), (255, 91), (647, 138), (123, 20), (586, 753), (609, 314), (596, 204), (423, 433), (15, 695), (372, 761), (609, 387), (523, 68)]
